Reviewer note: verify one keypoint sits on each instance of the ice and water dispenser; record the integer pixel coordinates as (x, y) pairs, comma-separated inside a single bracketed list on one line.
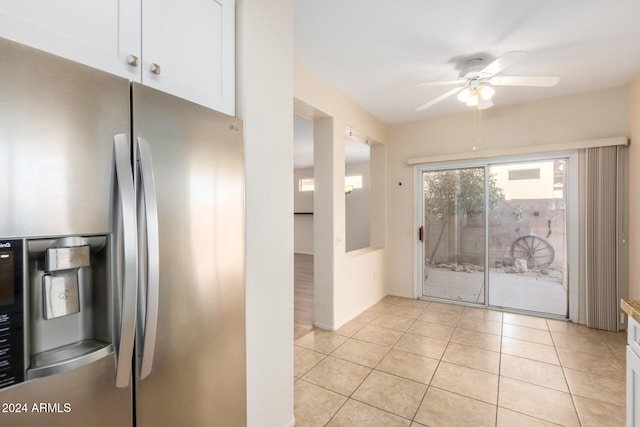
[(54, 305)]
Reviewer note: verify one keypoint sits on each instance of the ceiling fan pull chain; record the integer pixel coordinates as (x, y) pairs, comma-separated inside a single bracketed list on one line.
[(477, 124)]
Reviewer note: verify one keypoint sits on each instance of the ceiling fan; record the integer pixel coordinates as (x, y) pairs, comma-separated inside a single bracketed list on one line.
[(476, 79)]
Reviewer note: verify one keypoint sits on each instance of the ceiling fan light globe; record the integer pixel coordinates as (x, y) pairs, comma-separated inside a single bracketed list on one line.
[(486, 92), (483, 104), (472, 101), (464, 94)]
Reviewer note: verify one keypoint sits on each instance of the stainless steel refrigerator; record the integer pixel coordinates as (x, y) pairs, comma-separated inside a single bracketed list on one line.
[(121, 252)]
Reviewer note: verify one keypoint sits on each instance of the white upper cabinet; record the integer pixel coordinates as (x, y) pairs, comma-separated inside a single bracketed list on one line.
[(99, 33), (184, 47), (188, 50)]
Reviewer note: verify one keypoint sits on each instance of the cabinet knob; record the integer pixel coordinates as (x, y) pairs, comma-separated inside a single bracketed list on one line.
[(133, 60), (155, 68)]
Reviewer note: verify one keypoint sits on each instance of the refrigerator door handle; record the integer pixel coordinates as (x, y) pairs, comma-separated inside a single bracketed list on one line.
[(128, 285), (148, 304)]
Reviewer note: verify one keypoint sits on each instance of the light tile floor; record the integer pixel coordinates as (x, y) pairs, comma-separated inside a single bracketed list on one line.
[(408, 362)]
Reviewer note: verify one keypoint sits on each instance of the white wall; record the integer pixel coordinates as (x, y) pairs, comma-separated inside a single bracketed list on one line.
[(345, 284), (265, 102), (593, 115), (634, 189)]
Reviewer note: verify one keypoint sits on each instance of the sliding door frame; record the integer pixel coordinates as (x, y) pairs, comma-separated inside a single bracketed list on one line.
[(573, 221)]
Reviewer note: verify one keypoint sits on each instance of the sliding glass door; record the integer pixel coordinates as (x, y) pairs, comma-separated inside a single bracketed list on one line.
[(495, 234), (527, 237), (454, 234)]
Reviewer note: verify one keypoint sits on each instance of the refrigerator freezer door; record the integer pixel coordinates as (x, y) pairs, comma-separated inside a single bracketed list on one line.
[(198, 376), (81, 397), (57, 121)]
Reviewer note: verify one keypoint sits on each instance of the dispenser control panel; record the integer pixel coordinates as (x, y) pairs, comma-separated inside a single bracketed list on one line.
[(11, 313)]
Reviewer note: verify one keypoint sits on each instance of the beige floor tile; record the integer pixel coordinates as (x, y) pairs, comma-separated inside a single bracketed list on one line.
[(597, 414), (378, 335), (476, 339), (380, 306), (507, 418), (366, 316), (355, 413), (361, 352), (392, 322), (440, 317), (391, 393), (304, 360), (337, 375), (442, 408), (393, 299), (566, 327), (350, 328), (408, 365), (446, 308), (424, 346), (467, 382), (531, 390), (321, 341), (482, 313), (581, 343), (530, 350), (595, 387), (604, 365), (540, 402), (432, 330), (523, 320), (400, 311), (313, 405), (471, 357), (531, 371), (527, 334), (479, 325), (617, 342), (411, 303)]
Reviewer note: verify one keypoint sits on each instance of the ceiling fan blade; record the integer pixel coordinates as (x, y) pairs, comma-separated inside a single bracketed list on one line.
[(540, 81), (441, 83), (503, 62), (440, 98)]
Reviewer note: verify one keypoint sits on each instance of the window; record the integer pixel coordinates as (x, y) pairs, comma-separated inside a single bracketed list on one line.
[(353, 182), (306, 184)]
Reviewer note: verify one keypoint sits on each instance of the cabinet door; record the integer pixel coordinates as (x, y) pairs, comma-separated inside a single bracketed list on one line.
[(633, 388), (189, 50), (98, 33)]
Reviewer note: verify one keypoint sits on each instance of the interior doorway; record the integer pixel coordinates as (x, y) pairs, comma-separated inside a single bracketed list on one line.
[(495, 234), (303, 185)]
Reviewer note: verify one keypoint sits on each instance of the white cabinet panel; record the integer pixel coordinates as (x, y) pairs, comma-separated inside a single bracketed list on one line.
[(99, 33), (633, 388), (190, 43), (190, 46)]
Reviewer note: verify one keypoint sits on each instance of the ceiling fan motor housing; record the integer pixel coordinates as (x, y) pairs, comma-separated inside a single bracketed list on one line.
[(472, 70)]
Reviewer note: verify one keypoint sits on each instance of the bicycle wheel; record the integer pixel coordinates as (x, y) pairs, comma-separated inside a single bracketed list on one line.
[(537, 251)]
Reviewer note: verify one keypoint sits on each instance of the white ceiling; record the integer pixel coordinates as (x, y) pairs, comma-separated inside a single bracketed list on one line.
[(375, 52)]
